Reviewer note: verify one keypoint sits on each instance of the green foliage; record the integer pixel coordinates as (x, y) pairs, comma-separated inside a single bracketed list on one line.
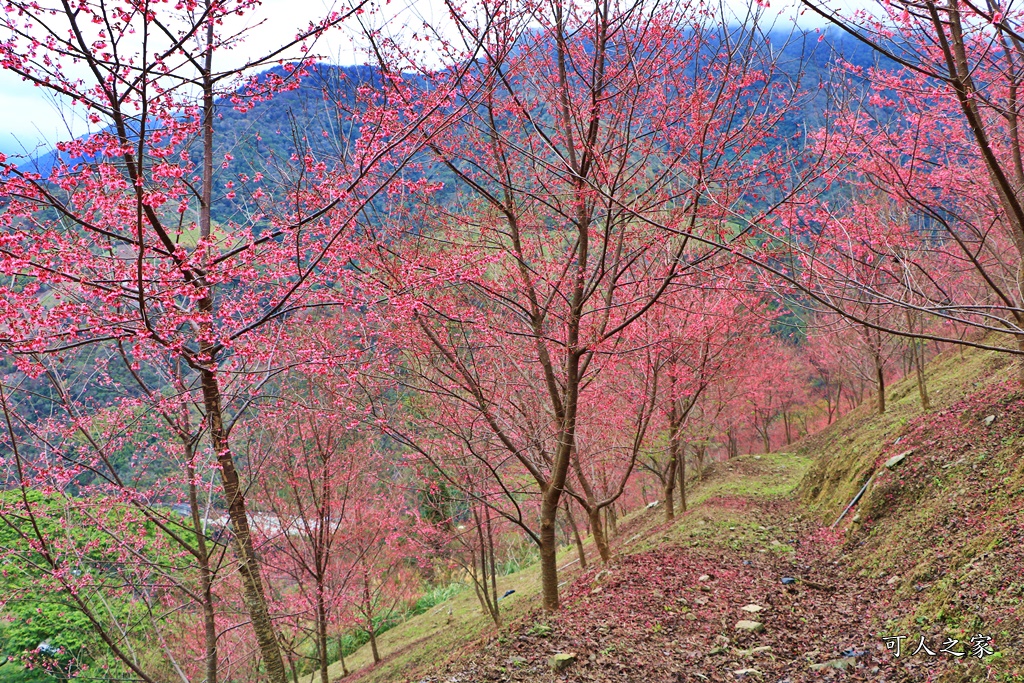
[(438, 503), (12, 672), (539, 629), (42, 622), (435, 596)]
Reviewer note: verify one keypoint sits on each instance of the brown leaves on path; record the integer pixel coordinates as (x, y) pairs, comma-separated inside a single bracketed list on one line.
[(670, 615)]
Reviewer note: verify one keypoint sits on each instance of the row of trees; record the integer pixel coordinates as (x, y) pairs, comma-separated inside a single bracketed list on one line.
[(253, 403)]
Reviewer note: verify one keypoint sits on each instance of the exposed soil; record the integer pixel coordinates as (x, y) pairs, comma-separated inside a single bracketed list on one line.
[(650, 618)]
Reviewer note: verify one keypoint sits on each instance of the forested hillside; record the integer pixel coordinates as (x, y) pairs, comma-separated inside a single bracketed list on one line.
[(589, 340)]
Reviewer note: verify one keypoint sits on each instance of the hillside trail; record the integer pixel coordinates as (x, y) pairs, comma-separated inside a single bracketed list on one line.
[(671, 606)]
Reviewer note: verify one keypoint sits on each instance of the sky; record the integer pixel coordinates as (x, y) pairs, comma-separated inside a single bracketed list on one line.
[(33, 121), (31, 118)]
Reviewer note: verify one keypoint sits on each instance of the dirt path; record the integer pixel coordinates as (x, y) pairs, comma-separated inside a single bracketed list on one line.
[(670, 614)]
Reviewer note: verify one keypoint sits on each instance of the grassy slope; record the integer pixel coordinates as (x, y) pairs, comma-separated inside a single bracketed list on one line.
[(946, 523), (945, 528), (845, 454), (432, 636)]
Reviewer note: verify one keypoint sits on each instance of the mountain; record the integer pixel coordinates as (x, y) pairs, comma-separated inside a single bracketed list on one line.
[(318, 113)]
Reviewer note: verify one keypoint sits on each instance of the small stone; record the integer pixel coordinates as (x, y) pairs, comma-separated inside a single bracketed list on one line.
[(747, 672), (597, 590), (752, 608), (840, 664), (893, 580), (562, 661), (989, 420), (757, 457), (747, 625), (897, 459), (704, 577)]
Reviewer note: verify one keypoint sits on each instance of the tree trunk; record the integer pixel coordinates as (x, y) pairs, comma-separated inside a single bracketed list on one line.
[(670, 490), (681, 473), (922, 386), (481, 593), (371, 630), (341, 655), (373, 642), (248, 566), (485, 583), (205, 576), (321, 633), (600, 540), (880, 377), (494, 570), (548, 561), (575, 534), (917, 364), (673, 458)]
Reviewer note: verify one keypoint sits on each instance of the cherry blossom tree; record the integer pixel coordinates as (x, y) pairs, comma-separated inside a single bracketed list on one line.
[(703, 330), (513, 287), (944, 106), (317, 463), (119, 253)]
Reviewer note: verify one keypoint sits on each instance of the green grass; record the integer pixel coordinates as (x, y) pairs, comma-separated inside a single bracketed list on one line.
[(451, 624), (771, 475), (844, 455)]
